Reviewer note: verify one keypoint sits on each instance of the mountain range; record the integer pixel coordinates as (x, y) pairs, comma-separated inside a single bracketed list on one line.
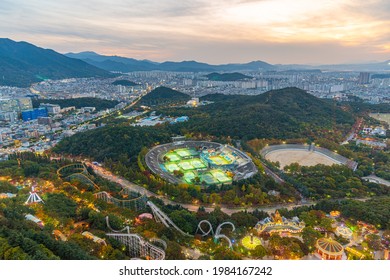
[(124, 64), (22, 63)]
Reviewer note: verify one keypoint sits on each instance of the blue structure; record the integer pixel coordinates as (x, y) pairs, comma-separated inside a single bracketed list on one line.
[(34, 114), (182, 119)]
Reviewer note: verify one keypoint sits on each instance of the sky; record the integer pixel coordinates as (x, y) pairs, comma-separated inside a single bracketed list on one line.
[(217, 31)]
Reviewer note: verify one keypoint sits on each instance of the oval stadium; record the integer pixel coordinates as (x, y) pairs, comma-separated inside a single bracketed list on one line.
[(199, 162), (304, 155)]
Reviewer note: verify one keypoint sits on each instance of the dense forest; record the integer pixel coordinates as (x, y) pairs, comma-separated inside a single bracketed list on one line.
[(375, 211), (99, 104), (336, 181), (113, 142), (227, 76), (126, 83), (163, 96), (285, 113)]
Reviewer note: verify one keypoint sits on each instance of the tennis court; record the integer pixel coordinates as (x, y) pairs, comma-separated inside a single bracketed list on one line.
[(188, 176), (186, 165), (172, 156), (197, 163), (183, 152), (221, 176), (171, 167), (218, 160), (208, 179)]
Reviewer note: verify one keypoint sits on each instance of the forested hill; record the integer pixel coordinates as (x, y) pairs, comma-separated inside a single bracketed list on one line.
[(285, 113), (22, 63), (163, 96), (227, 76), (113, 142)]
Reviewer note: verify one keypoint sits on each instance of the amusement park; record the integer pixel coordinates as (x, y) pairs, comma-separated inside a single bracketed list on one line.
[(91, 205)]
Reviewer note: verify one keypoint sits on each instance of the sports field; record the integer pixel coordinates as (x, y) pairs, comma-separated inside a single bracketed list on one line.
[(220, 176), (197, 163), (172, 156), (188, 161), (302, 157), (208, 179), (188, 176), (219, 160), (381, 117), (186, 165), (170, 166)]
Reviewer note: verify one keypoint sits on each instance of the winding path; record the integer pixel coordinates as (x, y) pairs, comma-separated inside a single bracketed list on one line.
[(192, 207)]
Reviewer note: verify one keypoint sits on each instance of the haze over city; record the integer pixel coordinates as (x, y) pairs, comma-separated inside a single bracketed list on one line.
[(277, 31)]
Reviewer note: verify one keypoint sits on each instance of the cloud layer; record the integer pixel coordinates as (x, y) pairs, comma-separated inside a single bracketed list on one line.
[(219, 31)]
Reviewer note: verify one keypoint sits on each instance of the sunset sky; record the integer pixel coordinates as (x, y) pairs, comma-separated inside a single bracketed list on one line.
[(276, 31)]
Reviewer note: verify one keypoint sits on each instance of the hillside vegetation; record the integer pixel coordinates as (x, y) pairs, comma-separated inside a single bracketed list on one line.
[(163, 96), (22, 63), (285, 113)]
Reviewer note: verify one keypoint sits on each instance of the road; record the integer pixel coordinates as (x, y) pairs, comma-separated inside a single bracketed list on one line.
[(192, 207), (272, 174), (377, 180), (354, 131)]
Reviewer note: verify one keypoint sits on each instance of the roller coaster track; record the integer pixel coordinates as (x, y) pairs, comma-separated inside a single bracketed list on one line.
[(76, 170), (137, 246), (160, 216), (204, 233), (217, 234), (135, 204)]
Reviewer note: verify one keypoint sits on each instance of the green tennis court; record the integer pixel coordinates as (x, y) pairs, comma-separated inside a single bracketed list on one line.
[(208, 179), (183, 152), (219, 160), (197, 163), (188, 176), (171, 167), (172, 156), (186, 165), (221, 176)]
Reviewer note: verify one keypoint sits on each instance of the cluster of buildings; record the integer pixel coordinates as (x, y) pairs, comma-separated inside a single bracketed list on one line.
[(153, 120), (324, 84), (373, 136), (88, 87), (42, 128), (328, 247)]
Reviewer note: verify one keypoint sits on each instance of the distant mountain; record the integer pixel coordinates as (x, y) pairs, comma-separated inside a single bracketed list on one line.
[(114, 63), (163, 96), (227, 77), (126, 83), (22, 63), (123, 64), (376, 66)]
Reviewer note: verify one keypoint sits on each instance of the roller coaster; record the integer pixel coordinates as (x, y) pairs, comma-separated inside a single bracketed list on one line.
[(79, 171), (217, 234), (163, 218), (136, 204), (76, 171), (138, 247)]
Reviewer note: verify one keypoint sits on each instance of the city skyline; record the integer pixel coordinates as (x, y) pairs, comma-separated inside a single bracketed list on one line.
[(278, 31)]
